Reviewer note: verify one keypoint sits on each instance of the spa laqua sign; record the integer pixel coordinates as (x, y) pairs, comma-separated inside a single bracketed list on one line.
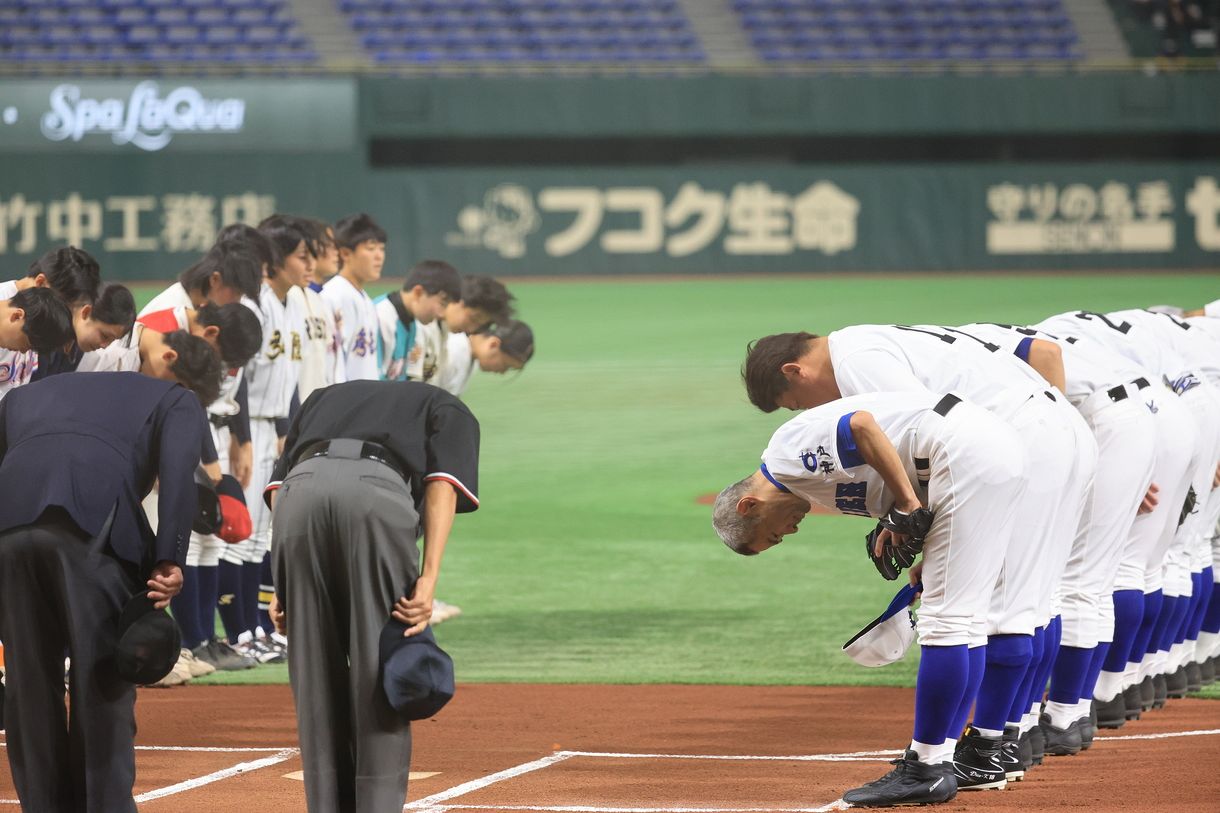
[(151, 116), (146, 119)]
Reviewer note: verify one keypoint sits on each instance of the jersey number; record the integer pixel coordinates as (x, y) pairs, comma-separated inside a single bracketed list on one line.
[(1089, 316), (946, 338)]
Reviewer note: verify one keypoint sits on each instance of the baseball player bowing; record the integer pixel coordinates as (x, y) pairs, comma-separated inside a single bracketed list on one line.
[(888, 455), (800, 370)]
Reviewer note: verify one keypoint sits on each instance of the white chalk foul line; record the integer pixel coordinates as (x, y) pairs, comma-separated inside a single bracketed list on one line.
[(838, 805), (478, 784), (855, 756), (216, 776), (1204, 732)]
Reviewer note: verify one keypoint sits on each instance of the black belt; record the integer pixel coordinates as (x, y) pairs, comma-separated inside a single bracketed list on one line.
[(368, 451), (221, 421), (1119, 393), (945, 404)]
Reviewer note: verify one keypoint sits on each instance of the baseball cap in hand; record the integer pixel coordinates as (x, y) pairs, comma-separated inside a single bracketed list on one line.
[(887, 638), (235, 523), (207, 514), (416, 674), (149, 642)]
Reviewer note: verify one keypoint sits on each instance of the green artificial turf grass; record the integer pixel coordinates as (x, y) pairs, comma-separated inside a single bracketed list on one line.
[(590, 559)]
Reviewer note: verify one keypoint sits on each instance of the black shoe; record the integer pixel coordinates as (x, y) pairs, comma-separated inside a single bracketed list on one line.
[(976, 762), (1037, 745), (1175, 684), (1111, 713), (1159, 692), (1088, 727), (1147, 694), (1194, 677), (910, 783), (223, 656), (1207, 671), (1010, 754), (1025, 750), (1060, 742), (1133, 697)]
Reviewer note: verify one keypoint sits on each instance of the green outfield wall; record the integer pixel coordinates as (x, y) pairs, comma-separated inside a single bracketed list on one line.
[(143, 173)]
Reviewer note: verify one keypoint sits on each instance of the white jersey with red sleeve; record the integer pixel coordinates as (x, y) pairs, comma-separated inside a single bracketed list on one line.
[(357, 324), (815, 456)]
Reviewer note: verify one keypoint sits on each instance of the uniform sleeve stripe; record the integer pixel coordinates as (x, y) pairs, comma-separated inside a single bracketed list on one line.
[(767, 473), (1022, 351), (849, 455), (272, 486), (455, 482)]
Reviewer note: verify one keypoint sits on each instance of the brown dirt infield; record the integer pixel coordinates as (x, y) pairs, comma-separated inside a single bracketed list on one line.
[(489, 729)]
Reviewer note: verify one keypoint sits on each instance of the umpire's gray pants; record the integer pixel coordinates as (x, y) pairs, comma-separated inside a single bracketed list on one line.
[(344, 550)]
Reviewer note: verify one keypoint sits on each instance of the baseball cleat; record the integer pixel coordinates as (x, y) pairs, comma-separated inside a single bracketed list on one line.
[(1010, 754), (1175, 684), (1111, 713), (1194, 677), (1060, 742), (910, 783), (1134, 699), (1160, 693), (1147, 694), (977, 764), (1207, 671)]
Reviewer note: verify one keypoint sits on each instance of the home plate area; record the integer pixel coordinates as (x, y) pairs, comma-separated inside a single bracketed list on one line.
[(644, 749)]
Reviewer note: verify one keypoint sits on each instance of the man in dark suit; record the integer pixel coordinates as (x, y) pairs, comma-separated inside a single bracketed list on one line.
[(77, 455)]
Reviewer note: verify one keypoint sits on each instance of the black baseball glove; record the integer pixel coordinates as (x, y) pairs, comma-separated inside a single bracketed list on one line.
[(896, 558)]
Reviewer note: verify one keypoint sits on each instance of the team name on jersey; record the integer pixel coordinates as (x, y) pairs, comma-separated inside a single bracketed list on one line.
[(361, 344), (275, 347), (851, 498)]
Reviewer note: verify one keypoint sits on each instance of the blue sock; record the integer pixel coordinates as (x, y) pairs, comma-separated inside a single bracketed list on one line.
[(1042, 671), (1198, 603), (1152, 609), (185, 606), (978, 663), (205, 577), (1162, 633), (1068, 674), (943, 673), (1090, 681), (251, 575), (1020, 703), (229, 600), (1008, 660), (266, 589), (1211, 616), (1175, 632), (1128, 616)]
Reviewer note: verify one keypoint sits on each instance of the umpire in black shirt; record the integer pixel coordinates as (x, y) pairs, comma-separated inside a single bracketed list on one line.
[(363, 463), (78, 453)]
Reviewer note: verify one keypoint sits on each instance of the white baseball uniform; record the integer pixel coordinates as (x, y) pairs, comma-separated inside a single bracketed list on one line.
[(1212, 309), (967, 466), (1059, 455), (1152, 534), (172, 297), (8, 290), (457, 365), (118, 357), (1106, 389), (356, 321), (16, 367), (427, 357), (321, 360), (271, 381)]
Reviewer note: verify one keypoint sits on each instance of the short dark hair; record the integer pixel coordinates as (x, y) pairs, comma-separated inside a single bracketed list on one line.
[(197, 366), (516, 339), (764, 380), (241, 335), (238, 265), (286, 233), (435, 276), (355, 229), (48, 320), (323, 232), (115, 306), (71, 273), (250, 238), (488, 295)]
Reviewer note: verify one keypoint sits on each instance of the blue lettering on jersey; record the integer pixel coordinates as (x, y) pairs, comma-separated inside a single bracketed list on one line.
[(360, 345), (1184, 383), (850, 497)]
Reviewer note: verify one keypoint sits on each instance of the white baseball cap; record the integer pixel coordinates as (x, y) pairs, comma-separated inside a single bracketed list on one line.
[(887, 638)]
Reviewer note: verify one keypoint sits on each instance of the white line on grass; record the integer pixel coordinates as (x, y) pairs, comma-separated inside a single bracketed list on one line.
[(478, 784), (216, 776)]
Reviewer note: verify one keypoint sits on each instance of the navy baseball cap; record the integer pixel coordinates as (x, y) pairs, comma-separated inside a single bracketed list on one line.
[(149, 642), (416, 674)]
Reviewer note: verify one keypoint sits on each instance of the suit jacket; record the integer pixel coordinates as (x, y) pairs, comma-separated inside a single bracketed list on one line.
[(93, 443)]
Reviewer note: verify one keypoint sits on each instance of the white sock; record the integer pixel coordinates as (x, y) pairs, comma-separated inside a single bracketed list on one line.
[(1109, 684), (1083, 709), (933, 754), (1062, 714), (245, 637), (1028, 721), (990, 733), (1208, 645)]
